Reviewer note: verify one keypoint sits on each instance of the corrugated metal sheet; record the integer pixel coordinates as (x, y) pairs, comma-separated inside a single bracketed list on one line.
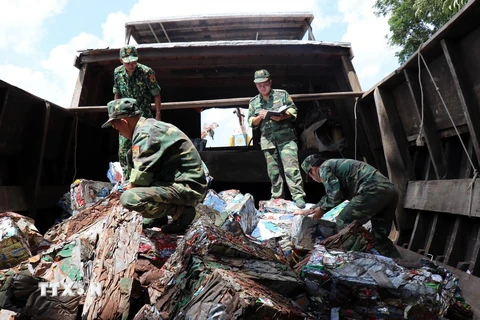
[(286, 26)]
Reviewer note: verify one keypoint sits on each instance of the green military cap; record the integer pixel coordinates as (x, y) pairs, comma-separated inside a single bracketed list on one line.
[(261, 76), (121, 108), (314, 160), (128, 54)]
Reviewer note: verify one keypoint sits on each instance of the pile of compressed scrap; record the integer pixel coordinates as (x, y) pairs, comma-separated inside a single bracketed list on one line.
[(206, 248), (366, 286), (217, 270)]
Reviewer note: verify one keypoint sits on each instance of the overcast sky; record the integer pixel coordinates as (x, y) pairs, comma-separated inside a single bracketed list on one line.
[(40, 38)]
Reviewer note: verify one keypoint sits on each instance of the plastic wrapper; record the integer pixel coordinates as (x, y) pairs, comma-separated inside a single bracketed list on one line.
[(115, 172), (8, 315), (280, 206), (332, 214), (244, 207), (14, 246), (85, 193), (214, 201), (273, 225), (268, 229), (207, 173), (235, 206), (157, 246), (303, 229), (229, 295)]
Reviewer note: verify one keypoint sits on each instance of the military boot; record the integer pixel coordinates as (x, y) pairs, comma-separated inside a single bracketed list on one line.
[(154, 222), (300, 203), (182, 223)]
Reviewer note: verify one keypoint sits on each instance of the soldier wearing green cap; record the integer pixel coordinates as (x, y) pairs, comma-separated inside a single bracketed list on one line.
[(372, 196), (137, 81), (278, 138), (167, 177)]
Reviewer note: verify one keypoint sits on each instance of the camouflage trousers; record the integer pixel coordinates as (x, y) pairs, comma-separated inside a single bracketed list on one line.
[(376, 203), (124, 147), (285, 157), (165, 199)]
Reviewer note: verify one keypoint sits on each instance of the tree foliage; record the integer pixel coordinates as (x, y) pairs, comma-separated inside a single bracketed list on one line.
[(412, 22)]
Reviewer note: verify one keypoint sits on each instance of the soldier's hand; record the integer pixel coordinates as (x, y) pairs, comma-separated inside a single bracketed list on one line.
[(128, 186), (305, 212), (318, 213), (262, 113), (282, 117)]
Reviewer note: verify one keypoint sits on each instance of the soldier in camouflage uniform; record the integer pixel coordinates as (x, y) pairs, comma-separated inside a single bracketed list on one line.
[(137, 81), (372, 196), (167, 177), (278, 138)]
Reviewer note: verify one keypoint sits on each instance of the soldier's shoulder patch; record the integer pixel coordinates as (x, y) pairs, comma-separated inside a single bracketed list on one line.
[(135, 151)]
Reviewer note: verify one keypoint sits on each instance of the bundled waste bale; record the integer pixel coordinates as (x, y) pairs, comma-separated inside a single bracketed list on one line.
[(20, 293), (209, 213), (273, 226), (88, 219), (206, 248), (114, 265), (302, 230), (279, 206), (26, 225), (14, 246), (85, 193), (362, 284), (234, 205), (353, 237), (230, 295), (97, 247), (10, 298)]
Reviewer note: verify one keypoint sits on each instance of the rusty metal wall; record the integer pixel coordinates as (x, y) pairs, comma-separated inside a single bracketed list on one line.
[(439, 215)]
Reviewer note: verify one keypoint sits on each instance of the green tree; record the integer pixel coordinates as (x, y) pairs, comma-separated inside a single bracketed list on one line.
[(412, 22)]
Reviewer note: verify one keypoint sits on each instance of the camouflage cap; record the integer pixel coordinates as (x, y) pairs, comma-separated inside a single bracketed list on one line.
[(261, 76), (128, 54), (121, 108), (313, 160)]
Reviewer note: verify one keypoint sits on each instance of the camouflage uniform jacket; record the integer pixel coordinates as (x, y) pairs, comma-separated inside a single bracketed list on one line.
[(142, 85), (345, 178), (273, 133), (163, 153)]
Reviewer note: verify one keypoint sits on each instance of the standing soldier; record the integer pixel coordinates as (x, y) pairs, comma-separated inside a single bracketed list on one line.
[(372, 196), (137, 81), (167, 177), (278, 138)]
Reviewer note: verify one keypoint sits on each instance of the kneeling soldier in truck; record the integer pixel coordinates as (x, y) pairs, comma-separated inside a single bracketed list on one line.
[(372, 196), (167, 177)]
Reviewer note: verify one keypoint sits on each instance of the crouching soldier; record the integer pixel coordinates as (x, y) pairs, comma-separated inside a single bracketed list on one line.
[(167, 177), (372, 196)]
